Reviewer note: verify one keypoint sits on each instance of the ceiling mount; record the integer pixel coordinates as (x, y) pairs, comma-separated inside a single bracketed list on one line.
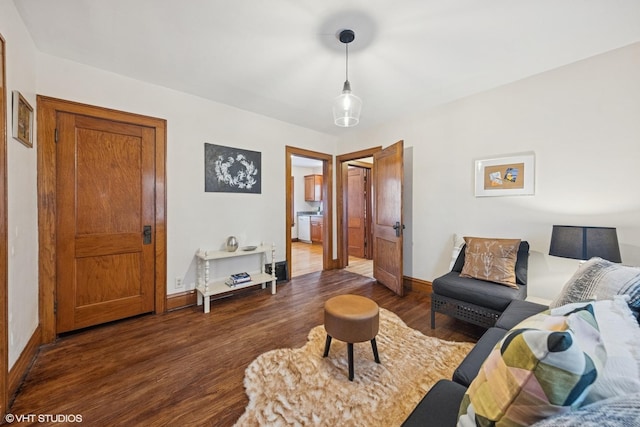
[(346, 36)]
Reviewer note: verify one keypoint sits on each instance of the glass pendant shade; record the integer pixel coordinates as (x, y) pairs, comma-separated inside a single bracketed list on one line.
[(346, 108)]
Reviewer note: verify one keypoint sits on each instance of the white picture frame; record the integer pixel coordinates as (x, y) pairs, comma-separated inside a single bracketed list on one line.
[(512, 175)]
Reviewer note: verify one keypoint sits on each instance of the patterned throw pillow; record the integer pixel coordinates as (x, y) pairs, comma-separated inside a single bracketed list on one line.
[(536, 373), (493, 260), (600, 279), (620, 335)]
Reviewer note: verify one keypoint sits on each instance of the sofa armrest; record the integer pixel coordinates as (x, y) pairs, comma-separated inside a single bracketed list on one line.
[(517, 311), (439, 407), (470, 366)]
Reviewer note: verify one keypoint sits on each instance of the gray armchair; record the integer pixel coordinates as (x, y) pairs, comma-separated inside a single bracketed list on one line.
[(473, 300)]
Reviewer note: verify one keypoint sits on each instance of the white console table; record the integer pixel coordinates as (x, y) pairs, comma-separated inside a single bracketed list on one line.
[(208, 286)]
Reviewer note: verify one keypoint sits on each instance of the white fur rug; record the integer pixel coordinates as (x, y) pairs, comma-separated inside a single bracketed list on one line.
[(298, 387)]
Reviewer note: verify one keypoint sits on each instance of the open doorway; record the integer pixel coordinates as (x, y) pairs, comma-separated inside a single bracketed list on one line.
[(354, 207), (358, 208), (309, 226), (386, 214)]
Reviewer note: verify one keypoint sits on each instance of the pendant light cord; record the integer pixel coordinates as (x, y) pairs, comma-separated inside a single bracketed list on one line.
[(346, 73)]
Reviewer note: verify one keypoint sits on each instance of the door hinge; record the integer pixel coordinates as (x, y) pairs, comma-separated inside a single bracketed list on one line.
[(55, 307), (55, 135)]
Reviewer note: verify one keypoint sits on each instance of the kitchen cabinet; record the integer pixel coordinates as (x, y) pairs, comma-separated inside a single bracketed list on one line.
[(317, 224), (313, 188)]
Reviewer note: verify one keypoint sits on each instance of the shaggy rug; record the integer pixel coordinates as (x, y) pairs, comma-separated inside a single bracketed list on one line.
[(299, 387)]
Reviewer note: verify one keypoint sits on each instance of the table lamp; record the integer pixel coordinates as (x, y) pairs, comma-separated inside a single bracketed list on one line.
[(569, 241)]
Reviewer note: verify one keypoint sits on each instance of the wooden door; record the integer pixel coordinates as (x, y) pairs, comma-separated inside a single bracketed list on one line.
[(388, 216), (105, 198), (356, 211)]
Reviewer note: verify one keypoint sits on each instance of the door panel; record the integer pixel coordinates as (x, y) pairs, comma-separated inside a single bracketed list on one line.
[(356, 211), (388, 217), (105, 196)]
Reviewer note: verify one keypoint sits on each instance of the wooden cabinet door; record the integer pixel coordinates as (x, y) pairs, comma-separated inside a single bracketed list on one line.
[(317, 224), (313, 188)]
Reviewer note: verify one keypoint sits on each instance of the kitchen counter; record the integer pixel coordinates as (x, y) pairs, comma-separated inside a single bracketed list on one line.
[(307, 226)]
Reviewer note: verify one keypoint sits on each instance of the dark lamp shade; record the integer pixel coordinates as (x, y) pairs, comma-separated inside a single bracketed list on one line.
[(583, 243)]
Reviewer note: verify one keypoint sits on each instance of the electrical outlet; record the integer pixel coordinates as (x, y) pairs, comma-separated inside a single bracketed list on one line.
[(178, 282)]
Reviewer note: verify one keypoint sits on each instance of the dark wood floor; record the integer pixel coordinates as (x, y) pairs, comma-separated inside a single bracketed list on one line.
[(186, 367)]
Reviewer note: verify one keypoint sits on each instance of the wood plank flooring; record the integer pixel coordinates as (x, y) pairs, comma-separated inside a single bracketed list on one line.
[(186, 367), (307, 258)]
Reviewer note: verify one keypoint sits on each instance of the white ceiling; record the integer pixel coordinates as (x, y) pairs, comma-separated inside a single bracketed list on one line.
[(281, 58)]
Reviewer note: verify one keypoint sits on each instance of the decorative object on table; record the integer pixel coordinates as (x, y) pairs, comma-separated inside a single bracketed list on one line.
[(249, 248), (232, 170), (22, 119), (569, 241), (505, 176), (346, 106), (232, 244), (312, 390)]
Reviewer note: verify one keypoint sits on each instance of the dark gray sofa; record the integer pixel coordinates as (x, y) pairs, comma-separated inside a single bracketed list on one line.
[(439, 407)]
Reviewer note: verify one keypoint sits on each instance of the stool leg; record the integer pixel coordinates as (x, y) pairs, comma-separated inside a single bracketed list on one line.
[(327, 344), (350, 351), (374, 347)]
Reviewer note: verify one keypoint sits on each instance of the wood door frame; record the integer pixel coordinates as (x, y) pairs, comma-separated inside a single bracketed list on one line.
[(4, 282), (327, 200), (47, 109), (342, 162)]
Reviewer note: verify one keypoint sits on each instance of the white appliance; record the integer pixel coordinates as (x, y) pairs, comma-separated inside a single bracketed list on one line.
[(304, 228)]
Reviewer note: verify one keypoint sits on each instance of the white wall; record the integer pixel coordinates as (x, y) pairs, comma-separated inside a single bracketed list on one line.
[(21, 177), (196, 219), (582, 122)]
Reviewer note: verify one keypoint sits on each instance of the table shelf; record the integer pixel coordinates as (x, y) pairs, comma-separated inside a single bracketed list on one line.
[(207, 286)]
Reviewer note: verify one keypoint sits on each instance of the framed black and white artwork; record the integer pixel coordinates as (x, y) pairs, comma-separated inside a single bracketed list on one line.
[(232, 170)]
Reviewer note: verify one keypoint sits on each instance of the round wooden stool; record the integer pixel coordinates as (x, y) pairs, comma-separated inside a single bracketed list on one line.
[(351, 319)]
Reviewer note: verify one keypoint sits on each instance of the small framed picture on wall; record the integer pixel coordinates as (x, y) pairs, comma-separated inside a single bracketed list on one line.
[(22, 119)]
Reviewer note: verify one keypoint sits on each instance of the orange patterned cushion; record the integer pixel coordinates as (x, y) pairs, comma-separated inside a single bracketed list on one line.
[(493, 260)]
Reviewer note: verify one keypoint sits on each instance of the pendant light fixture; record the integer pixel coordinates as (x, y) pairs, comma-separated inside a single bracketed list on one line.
[(346, 106)]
